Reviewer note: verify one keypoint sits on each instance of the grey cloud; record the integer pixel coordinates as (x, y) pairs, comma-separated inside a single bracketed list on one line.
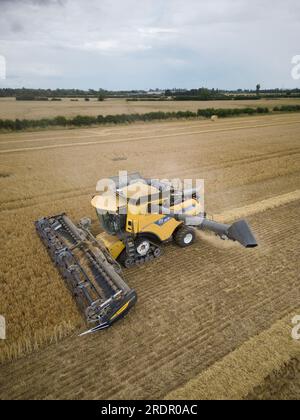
[(34, 2), (17, 27), (133, 43)]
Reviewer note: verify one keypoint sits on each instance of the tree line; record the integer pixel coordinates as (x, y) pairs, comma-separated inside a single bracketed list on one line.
[(81, 120), (176, 94)]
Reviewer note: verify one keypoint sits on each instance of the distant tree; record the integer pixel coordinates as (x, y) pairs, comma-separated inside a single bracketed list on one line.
[(101, 98), (258, 89)]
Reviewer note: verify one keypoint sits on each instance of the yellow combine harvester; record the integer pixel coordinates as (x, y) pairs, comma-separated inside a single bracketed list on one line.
[(136, 216)]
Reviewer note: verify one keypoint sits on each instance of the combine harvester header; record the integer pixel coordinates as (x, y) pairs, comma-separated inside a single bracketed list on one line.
[(92, 276)]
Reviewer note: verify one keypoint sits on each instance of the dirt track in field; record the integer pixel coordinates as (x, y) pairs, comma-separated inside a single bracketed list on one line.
[(12, 109), (196, 305)]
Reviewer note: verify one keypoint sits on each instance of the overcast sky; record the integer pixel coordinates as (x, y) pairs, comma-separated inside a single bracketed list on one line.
[(135, 44)]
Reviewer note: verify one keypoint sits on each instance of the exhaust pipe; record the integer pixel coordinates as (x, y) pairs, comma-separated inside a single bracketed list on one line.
[(238, 231)]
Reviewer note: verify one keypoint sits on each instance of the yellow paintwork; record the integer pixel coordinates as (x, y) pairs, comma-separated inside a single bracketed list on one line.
[(193, 206), (112, 243), (120, 311), (139, 220), (143, 222), (111, 201), (138, 190), (149, 223), (108, 202)]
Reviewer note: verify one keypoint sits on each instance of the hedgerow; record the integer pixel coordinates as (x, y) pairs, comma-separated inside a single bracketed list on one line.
[(82, 120), (31, 98), (231, 112), (287, 108)]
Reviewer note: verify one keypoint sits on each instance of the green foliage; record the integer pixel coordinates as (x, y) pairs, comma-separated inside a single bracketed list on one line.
[(25, 98), (246, 98), (201, 94), (49, 93), (231, 112), (82, 120), (262, 110), (148, 99), (62, 121), (287, 108), (30, 98), (192, 94)]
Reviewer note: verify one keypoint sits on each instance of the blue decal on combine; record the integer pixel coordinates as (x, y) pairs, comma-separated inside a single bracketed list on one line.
[(162, 221)]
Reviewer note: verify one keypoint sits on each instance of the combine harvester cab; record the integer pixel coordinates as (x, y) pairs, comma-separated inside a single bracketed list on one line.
[(92, 275)]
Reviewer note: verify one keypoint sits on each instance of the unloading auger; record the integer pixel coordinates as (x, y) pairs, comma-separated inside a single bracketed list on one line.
[(135, 221), (237, 232)]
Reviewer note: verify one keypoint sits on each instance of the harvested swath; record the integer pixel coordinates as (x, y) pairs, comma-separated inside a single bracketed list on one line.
[(240, 372), (259, 207), (282, 384)]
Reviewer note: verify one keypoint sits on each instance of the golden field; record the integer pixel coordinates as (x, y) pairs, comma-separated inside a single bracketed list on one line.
[(12, 109), (196, 306)]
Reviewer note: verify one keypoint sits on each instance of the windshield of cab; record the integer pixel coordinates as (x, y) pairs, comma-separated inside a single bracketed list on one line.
[(110, 222)]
